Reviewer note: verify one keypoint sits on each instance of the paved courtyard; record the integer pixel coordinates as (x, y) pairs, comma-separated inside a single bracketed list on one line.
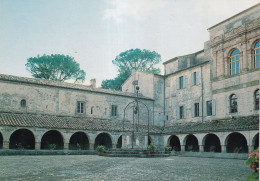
[(90, 167)]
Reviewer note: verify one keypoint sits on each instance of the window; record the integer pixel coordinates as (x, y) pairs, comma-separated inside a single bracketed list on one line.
[(196, 110), (80, 107), (209, 108), (194, 78), (233, 103), (181, 112), (23, 103), (256, 96), (92, 110), (234, 62), (257, 55), (114, 110), (181, 82)]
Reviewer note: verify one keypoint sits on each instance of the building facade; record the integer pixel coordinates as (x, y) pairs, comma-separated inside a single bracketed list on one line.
[(205, 101)]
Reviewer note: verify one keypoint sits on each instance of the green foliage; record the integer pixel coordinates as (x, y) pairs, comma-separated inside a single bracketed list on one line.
[(168, 148), (19, 146), (151, 147), (55, 67), (253, 163), (51, 146), (115, 84), (100, 148), (134, 59)]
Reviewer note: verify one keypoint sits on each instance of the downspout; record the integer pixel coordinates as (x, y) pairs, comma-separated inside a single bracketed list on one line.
[(164, 100), (202, 94)]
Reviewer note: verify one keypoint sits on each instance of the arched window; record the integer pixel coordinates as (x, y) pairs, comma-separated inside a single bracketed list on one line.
[(233, 103), (23, 103), (257, 55), (256, 97), (234, 62)]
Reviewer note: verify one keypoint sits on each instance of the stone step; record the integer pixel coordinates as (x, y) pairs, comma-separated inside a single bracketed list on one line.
[(136, 155)]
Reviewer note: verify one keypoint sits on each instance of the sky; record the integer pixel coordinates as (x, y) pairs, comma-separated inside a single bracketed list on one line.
[(94, 32)]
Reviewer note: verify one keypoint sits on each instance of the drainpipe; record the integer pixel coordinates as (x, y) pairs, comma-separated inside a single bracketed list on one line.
[(202, 94)]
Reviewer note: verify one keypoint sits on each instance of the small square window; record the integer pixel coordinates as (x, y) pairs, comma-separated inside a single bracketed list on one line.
[(114, 110), (23, 103), (80, 107)]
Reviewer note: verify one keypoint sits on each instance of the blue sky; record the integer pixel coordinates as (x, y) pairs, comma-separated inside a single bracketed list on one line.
[(94, 32)]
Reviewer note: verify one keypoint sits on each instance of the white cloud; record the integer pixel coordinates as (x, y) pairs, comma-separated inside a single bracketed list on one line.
[(138, 9)]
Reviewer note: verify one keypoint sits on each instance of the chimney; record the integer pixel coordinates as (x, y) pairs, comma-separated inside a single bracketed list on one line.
[(93, 83)]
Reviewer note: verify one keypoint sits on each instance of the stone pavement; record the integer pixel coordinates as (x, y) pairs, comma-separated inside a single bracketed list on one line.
[(92, 167)]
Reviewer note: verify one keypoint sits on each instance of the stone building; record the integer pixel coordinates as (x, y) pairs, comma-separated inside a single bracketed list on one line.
[(205, 101)]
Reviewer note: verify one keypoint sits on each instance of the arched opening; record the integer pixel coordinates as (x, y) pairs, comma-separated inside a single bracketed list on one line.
[(22, 139), (1, 141), (52, 140), (236, 143), (119, 142), (103, 139), (212, 143), (256, 141), (174, 142), (192, 143), (79, 141)]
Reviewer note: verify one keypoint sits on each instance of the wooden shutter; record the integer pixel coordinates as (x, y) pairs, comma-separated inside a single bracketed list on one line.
[(213, 107), (191, 79), (184, 112), (200, 109), (192, 110), (178, 112)]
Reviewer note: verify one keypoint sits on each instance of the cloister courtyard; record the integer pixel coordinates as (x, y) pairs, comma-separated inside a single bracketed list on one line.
[(93, 167)]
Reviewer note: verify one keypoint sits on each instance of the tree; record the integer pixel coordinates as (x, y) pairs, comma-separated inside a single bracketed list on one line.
[(141, 60), (55, 67)]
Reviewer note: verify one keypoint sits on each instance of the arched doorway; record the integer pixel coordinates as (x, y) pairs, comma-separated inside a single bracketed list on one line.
[(211, 143), (236, 143), (1, 141), (52, 140), (103, 139), (119, 142), (256, 141), (79, 141), (174, 142), (22, 139), (192, 143)]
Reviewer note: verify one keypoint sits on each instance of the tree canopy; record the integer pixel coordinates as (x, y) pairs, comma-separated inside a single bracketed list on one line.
[(134, 59), (55, 67)]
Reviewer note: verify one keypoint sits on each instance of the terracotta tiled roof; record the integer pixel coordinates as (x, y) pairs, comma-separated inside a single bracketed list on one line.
[(241, 123), (62, 122), (84, 123), (68, 86)]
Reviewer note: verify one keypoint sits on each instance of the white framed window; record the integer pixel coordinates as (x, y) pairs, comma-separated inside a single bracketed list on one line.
[(80, 107), (210, 108), (114, 110), (181, 112)]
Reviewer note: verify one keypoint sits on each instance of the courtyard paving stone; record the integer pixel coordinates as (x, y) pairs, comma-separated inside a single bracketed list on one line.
[(92, 167)]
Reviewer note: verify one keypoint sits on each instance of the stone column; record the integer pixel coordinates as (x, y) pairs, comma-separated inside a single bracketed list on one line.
[(201, 147), (114, 146), (91, 146), (37, 145), (250, 148), (223, 148), (5, 144), (66, 146), (182, 147)]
